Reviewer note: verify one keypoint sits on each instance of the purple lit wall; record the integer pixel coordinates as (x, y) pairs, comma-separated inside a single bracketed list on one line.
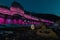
[(14, 21), (9, 21)]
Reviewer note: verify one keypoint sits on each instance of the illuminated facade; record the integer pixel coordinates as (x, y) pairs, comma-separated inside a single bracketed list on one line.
[(16, 15)]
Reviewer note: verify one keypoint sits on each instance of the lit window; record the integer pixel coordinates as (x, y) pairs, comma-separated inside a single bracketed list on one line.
[(8, 21), (15, 21)]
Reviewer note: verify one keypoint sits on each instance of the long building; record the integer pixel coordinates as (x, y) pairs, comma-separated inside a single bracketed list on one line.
[(17, 15)]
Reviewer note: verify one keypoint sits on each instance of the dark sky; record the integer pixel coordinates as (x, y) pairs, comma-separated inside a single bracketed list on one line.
[(38, 6)]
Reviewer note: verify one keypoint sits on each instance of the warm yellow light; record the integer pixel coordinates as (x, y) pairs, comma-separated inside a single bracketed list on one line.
[(32, 27)]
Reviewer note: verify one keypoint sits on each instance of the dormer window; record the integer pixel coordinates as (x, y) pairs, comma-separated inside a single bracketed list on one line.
[(24, 20)]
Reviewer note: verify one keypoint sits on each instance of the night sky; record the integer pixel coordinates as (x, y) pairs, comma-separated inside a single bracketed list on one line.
[(38, 6)]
